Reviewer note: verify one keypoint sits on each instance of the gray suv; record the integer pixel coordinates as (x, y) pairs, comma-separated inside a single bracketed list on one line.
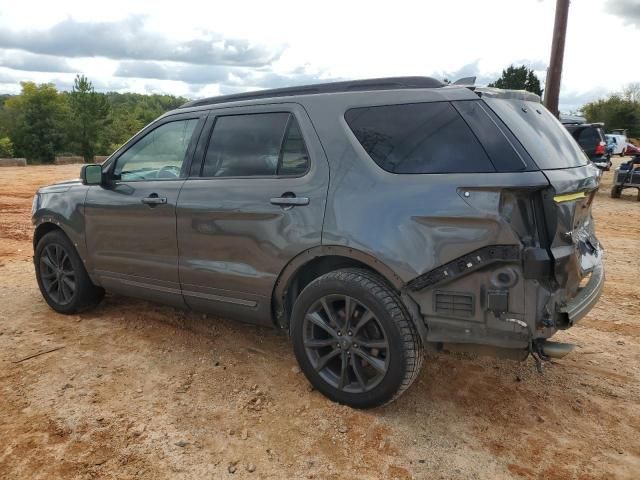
[(367, 219)]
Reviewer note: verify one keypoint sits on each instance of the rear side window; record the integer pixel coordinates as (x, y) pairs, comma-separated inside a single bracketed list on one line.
[(541, 134), (261, 144), (418, 138), (294, 159)]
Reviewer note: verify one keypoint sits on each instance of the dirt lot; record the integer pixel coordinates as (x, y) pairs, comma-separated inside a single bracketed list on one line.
[(145, 391)]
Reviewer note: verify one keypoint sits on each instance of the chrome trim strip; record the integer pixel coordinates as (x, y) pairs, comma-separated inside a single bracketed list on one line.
[(146, 285), (218, 298), (205, 296)]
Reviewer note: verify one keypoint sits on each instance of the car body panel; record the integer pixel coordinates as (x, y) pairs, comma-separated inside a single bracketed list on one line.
[(134, 245), (62, 205), (233, 241)]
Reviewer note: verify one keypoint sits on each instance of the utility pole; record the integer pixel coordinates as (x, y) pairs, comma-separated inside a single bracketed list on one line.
[(554, 72)]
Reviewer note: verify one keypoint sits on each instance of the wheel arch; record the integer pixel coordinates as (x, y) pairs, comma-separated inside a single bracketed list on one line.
[(43, 228), (314, 262), (50, 223)]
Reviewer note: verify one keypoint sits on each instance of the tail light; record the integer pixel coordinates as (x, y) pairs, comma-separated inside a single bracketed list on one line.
[(600, 148)]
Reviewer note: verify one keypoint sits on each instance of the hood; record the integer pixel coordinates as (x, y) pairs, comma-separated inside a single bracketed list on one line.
[(62, 186)]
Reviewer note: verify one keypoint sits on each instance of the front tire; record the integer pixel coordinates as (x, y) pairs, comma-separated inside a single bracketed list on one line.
[(62, 278), (354, 340)]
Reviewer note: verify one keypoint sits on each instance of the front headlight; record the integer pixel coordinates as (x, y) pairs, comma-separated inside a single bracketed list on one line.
[(34, 204)]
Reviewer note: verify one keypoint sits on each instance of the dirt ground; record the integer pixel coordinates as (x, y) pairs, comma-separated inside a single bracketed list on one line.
[(139, 390)]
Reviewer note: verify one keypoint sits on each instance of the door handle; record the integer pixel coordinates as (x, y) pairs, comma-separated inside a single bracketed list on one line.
[(153, 200), (290, 201)]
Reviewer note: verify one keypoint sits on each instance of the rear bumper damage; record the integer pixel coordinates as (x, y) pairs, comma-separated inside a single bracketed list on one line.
[(587, 296), (491, 298)]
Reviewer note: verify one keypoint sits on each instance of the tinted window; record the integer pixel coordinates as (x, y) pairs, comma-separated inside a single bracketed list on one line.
[(294, 158), (540, 133), (588, 138), (418, 138), (158, 155), (262, 144), (506, 154)]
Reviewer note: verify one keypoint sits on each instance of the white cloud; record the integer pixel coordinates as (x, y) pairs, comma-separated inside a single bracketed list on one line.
[(208, 48)]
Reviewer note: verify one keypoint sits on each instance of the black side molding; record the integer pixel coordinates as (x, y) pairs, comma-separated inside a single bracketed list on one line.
[(466, 264)]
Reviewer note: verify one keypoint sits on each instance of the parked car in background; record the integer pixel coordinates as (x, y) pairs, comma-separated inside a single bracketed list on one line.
[(632, 150), (590, 136), (619, 143), (366, 219)]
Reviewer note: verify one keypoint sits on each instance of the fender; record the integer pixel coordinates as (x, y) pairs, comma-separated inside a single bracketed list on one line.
[(67, 214), (284, 279)]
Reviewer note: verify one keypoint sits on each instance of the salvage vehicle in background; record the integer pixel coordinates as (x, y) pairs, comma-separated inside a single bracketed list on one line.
[(627, 175), (631, 150), (367, 219), (590, 136), (619, 143)]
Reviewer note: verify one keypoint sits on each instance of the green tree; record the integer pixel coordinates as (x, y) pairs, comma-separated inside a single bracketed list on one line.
[(5, 118), (36, 121), (518, 78), (41, 122), (6, 147), (616, 111), (88, 113), (130, 112)]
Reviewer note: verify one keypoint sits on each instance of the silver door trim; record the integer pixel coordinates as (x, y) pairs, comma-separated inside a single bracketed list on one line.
[(160, 288), (219, 298)]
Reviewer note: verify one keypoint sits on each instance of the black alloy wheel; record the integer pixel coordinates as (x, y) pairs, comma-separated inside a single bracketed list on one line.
[(57, 274), (62, 277), (354, 339), (345, 343)]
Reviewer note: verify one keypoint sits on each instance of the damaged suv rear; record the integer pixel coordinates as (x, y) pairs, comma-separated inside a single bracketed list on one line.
[(367, 219)]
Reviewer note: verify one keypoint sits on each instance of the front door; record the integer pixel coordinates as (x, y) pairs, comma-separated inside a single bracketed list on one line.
[(254, 202), (131, 221)]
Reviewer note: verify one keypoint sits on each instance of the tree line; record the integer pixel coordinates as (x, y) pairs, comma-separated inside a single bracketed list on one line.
[(42, 122), (618, 110)]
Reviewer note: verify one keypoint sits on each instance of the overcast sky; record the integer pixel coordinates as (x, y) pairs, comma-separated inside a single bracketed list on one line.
[(208, 48)]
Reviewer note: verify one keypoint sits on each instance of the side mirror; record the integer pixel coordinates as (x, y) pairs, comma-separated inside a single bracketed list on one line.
[(91, 174)]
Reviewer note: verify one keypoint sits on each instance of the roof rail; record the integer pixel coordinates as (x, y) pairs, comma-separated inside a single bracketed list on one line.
[(390, 83)]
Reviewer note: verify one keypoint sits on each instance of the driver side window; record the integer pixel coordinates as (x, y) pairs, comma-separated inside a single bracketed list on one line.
[(158, 155)]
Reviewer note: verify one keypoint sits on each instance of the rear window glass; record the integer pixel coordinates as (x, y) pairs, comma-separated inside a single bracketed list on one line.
[(550, 144), (589, 137), (418, 138)]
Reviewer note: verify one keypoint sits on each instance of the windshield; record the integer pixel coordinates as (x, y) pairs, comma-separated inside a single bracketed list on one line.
[(541, 134)]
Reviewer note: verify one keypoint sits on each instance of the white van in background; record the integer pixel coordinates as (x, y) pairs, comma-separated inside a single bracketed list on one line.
[(619, 143)]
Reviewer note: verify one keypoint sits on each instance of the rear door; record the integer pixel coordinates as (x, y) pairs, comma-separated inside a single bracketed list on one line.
[(254, 200)]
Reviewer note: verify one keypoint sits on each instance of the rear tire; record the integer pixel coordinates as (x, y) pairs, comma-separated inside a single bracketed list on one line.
[(616, 191), (354, 340), (62, 278)]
